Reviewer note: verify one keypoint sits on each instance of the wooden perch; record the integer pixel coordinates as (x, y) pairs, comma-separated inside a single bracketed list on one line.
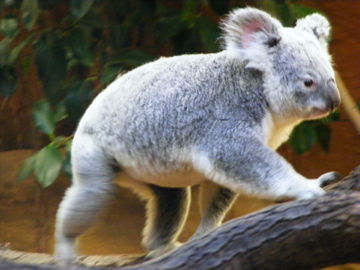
[(303, 234), (348, 102)]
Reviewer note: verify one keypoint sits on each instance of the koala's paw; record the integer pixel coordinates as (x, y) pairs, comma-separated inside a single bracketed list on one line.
[(328, 178), (313, 188), (310, 193), (65, 253)]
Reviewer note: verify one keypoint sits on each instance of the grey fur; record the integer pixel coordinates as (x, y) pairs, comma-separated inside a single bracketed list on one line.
[(176, 121)]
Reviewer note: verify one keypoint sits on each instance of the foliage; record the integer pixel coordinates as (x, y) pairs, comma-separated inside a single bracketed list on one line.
[(307, 134), (79, 47)]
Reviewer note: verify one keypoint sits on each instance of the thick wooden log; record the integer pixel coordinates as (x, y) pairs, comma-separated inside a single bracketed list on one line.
[(296, 235)]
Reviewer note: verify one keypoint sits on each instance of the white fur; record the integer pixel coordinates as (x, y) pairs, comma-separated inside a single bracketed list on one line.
[(318, 25), (277, 131)]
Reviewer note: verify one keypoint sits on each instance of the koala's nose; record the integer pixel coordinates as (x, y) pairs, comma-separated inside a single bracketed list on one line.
[(332, 105), (333, 99)]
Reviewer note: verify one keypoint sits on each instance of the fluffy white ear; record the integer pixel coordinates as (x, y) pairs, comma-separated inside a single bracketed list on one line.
[(245, 27), (317, 25)]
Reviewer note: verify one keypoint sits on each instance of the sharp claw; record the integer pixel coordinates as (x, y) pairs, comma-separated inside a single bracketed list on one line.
[(329, 178)]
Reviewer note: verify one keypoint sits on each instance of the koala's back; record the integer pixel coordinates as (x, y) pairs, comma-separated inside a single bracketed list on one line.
[(152, 116)]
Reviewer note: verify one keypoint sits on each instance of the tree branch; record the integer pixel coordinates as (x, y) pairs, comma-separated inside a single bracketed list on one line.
[(348, 102)]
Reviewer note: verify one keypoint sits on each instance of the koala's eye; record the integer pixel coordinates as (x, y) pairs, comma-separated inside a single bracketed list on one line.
[(309, 83)]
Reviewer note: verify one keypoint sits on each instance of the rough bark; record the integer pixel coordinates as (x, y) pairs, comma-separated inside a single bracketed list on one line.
[(306, 234)]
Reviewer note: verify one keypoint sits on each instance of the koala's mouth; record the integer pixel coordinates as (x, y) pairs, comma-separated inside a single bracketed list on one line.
[(316, 113)]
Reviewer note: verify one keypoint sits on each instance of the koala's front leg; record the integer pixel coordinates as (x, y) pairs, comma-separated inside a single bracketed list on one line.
[(245, 164)]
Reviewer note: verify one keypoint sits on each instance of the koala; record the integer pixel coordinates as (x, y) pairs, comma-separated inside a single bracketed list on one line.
[(213, 120)]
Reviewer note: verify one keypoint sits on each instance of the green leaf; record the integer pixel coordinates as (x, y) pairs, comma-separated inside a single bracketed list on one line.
[(120, 36), (300, 11), (59, 141), (44, 117), (51, 63), (189, 14), (48, 165), (49, 4), (14, 53), (280, 9), (132, 58), (60, 112), (209, 33), (109, 74), (79, 45), (67, 161), (5, 51), (9, 3), (335, 116), (303, 138), (79, 8), (78, 98), (323, 133), (8, 55), (29, 13), (8, 27), (27, 168), (8, 81), (169, 27)]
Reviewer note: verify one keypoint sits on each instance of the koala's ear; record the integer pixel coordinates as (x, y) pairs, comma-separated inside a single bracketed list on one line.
[(245, 27), (317, 25)]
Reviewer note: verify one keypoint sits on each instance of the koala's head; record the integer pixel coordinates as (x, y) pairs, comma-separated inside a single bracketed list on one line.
[(299, 78)]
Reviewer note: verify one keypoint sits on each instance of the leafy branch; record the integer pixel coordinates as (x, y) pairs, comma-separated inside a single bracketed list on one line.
[(47, 163)]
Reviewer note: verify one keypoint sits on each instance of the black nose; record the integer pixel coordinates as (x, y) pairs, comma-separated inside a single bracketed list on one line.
[(333, 103), (333, 99)]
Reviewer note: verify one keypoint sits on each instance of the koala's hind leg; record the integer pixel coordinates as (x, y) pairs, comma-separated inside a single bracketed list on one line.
[(214, 202), (166, 214), (91, 189)]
